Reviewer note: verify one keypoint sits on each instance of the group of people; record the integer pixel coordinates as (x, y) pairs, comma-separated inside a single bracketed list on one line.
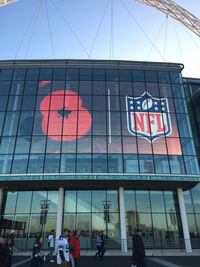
[(100, 243), (6, 252), (68, 249)]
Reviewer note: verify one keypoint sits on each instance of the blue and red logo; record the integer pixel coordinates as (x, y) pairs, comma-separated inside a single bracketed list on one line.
[(148, 116)]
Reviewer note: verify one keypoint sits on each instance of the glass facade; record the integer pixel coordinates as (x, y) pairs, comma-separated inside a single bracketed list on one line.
[(94, 120), (108, 118)]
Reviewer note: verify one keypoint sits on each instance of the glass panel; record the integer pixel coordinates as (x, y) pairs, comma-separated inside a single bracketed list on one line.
[(20, 164), (52, 201), (131, 163), (146, 164), (180, 105), (159, 226), (178, 91), (14, 103), (17, 88), (171, 202), (163, 77), (30, 88), (22, 145), (112, 201), (174, 226), (99, 74), (99, 163), (59, 74), (125, 75), (157, 201), (4, 88), (99, 144), (39, 198), (114, 144), (26, 123), (11, 123), (35, 228), (129, 198), (36, 163), (84, 144), (150, 76), (83, 223), (38, 144), (98, 223), (98, 88), (196, 198), (98, 200), (69, 221), (32, 74), (5, 163), (11, 199), (84, 201), (112, 74), (161, 164), (114, 227), (138, 75), (142, 201), (188, 201), (3, 103), (85, 74), (176, 164), (125, 89), (6, 74), (145, 223), (175, 77), (68, 163), (7, 145), (192, 225), (46, 74), (24, 202), (50, 225), (115, 163), (188, 146), (83, 164), (72, 74), (19, 74), (85, 88), (70, 201), (52, 163), (28, 102), (191, 164)]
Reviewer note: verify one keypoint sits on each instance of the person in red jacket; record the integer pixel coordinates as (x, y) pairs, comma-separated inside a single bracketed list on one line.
[(74, 242)]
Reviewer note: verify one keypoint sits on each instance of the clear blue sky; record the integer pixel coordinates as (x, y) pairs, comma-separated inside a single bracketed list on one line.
[(83, 16)]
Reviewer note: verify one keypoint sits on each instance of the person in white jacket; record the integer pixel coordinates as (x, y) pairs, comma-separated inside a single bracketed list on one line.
[(63, 250)]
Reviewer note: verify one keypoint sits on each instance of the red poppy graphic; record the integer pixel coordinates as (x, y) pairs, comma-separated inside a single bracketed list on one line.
[(66, 117)]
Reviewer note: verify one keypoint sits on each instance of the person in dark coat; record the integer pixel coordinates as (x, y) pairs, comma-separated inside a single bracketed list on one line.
[(2, 253), (102, 244), (8, 252), (138, 256), (36, 259)]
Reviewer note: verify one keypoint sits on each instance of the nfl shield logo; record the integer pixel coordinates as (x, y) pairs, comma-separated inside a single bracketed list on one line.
[(148, 116)]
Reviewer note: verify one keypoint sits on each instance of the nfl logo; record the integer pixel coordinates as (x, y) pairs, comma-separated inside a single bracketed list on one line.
[(148, 116)]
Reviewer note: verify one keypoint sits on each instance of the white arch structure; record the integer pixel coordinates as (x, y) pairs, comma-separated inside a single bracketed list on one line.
[(177, 12)]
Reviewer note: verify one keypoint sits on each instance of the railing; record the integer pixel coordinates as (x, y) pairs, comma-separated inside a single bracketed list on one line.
[(87, 243)]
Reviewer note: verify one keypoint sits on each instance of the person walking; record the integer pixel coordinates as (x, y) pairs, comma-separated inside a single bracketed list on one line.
[(74, 242), (51, 245), (98, 244), (36, 259), (102, 244), (63, 249), (8, 252), (2, 253), (138, 255)]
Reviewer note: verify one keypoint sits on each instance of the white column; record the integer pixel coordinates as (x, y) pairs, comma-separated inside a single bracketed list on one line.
[(1, 198), (186, 233), (122, 220), (59, 213)]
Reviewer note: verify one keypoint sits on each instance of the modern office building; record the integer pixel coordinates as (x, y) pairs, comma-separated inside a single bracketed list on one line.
[(98, 145)]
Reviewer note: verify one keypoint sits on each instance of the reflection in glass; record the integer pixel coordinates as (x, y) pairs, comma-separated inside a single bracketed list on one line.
[(157, 201), (142, 201), (115, 163), (159, 226), (69, 221), (188, 201), (161, 164), (191, 165), (99, 163), (98, 223), (112, 200), (145, 223), (131, 163), (171, 201), (53, 201), (146, 164), (98, 199), (38, 198), (19, 164), (176, 164), (52, 163), (70, 201), (129, 198), (83, 163), (192, 225), (11, 198), (24, 202), (68, 163), (36, 162), (84, 201)]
